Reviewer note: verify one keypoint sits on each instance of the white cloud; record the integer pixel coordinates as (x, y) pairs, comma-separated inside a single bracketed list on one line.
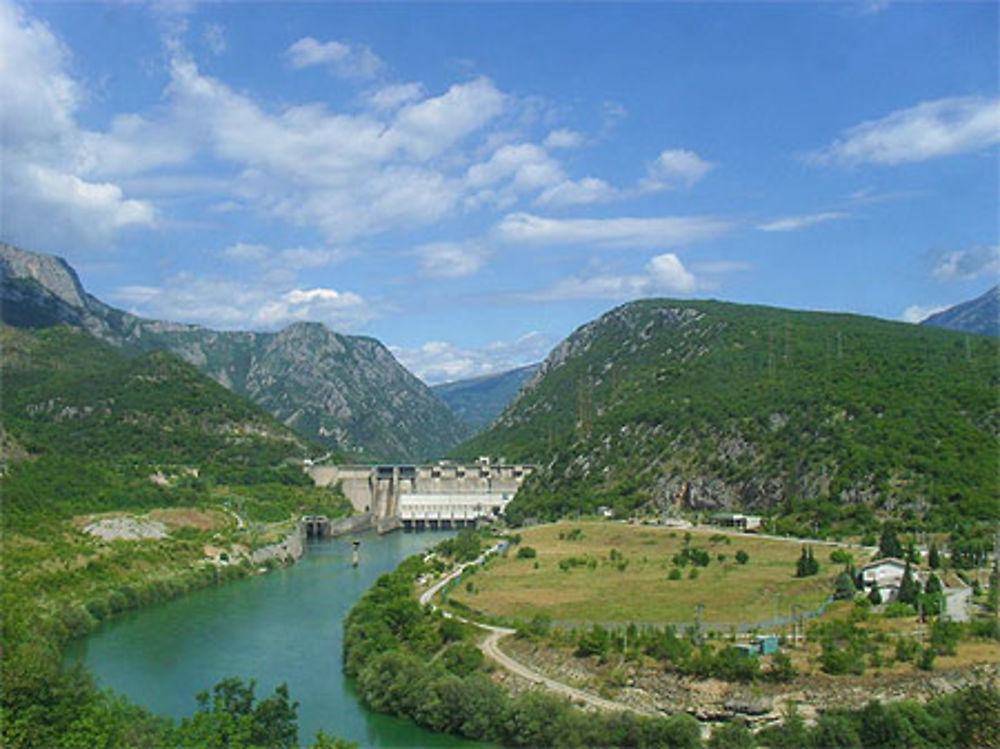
[(395, 95), (916, 313), (243, 252), (664, 274), (214, 38), (674, 168), (929, 130), (223, 303), (563, 138), (965, 265), (528, 167), (440, 361), (450, 259), (578, 192), (344, 60), (292, 259), (49, 197), (611, 232), (792, 223)]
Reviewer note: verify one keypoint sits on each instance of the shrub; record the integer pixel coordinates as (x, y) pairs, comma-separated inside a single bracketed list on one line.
[(675, 574), (526, 552), (742, 557)]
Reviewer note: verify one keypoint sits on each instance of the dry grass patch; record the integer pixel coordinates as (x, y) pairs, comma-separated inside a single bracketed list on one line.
[(634, 586), (189, 517)]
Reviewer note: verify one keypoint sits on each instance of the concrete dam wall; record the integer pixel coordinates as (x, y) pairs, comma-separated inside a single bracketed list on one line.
[(439, 495)]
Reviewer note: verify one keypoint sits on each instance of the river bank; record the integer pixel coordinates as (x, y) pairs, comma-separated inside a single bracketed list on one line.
[(285, 626)]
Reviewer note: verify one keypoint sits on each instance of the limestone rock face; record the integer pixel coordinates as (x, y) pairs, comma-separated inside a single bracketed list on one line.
[(346, 392)]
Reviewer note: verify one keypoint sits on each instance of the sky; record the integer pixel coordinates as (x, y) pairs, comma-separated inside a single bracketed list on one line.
[(469, 183)]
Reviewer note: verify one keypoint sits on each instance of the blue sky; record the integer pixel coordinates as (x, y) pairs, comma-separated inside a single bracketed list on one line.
[(470, 182)]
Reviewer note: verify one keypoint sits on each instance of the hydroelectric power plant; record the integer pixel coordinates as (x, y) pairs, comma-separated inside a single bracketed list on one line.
[(437, 496)]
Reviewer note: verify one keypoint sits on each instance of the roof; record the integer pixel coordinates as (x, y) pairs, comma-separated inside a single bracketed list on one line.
[(887, 560)]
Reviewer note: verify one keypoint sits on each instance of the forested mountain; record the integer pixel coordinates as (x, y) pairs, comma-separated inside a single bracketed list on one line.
[(86, 427), (824, 418), (980, 315), (346, 392), (479, 400)]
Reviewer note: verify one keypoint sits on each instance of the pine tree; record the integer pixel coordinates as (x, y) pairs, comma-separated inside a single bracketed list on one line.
[(888, 544), (909, 589), (934, 557)]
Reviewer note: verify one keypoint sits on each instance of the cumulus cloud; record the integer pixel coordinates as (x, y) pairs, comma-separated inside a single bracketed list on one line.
[(664, 274), (965, 265), (929, 130), (51, 191), (916, 313), (292, 259), (440, 361), (224, 303), (214, 38), (578, 192), (343, 59), (610, 232), (675, 168), (450, 259), (792, 223), (564, 138), (395, 95)]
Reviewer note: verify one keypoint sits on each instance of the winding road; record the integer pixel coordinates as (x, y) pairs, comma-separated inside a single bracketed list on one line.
[(491, 649)]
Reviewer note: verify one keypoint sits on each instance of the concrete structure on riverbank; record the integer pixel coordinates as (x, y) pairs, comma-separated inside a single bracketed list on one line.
[(440, 495)]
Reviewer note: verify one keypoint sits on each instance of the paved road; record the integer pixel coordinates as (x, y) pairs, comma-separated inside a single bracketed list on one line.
[(491, 649)]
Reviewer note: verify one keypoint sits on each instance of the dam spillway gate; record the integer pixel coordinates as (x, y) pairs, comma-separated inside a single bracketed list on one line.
[(441, 495)]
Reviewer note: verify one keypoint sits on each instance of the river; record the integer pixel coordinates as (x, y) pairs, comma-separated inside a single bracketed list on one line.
[(285, 626)]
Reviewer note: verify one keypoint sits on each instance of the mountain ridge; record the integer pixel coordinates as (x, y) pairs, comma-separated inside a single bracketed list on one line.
[(980, 315), (678, 406), (346, 392), (479, 400)]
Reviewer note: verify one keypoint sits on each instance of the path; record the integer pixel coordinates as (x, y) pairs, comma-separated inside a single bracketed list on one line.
[(491, 649)]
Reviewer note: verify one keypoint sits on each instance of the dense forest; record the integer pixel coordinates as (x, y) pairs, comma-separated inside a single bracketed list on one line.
[(831, 420)]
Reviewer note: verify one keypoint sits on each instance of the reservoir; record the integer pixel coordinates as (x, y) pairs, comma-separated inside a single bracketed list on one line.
[(285, 626)]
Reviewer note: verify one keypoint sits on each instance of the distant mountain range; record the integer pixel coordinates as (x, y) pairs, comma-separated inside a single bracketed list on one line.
[(822, 418), (347, 393), (479, 400), (980, 315)]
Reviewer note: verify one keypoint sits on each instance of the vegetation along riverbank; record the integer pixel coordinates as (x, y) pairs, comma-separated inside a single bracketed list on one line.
[(419, 663)]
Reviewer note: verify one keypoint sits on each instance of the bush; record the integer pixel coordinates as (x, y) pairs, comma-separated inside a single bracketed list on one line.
[(675, 574), (742, 557), (526, 552)]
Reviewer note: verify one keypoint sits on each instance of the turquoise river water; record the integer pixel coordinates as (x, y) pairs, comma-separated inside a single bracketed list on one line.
[(285, 626)]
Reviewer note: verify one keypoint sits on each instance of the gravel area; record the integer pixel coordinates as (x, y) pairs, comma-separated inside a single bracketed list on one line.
[(129, 529)]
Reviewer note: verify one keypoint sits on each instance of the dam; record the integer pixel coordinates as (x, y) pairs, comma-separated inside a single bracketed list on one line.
[(437, 496)]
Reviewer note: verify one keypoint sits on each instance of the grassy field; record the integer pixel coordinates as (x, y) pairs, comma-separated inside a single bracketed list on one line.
[(634, 586)]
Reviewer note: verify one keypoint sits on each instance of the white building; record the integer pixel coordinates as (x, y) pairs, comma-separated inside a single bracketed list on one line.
[(886, 575)]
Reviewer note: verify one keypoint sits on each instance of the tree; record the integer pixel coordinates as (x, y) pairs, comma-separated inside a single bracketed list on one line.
[(888, 544), (874, 596), (934, 557), (909, 589), (844, 588), (732, 735), (742, 557)]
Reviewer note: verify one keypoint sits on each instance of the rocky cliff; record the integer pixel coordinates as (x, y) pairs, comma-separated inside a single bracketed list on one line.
[(346, 392)]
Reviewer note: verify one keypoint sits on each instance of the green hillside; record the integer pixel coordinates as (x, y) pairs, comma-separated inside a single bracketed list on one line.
[(85, 428), (822, 418)]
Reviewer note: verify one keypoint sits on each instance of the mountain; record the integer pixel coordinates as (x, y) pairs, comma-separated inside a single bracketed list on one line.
[(347, 393), (86, 427), (821, 418), (479, 400), (980, 315)]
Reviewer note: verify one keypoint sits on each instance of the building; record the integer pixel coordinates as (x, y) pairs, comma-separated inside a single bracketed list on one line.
[(736, 520), (886, 575)]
